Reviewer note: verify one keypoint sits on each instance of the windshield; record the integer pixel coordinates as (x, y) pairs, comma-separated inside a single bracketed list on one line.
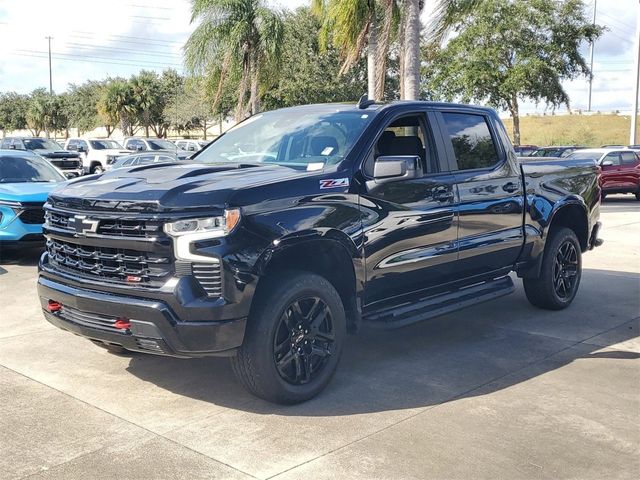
[(161, 145), (585, 156), (40, 144), (295, 139), (27, 169), (104, 144)]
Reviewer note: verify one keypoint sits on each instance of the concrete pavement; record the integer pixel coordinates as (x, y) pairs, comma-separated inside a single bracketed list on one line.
[(501, 390)]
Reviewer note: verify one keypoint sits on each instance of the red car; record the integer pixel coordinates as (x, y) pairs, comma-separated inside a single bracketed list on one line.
[(620, 169)]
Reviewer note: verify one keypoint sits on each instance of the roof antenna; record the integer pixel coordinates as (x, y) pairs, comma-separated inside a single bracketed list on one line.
[(364, 102)]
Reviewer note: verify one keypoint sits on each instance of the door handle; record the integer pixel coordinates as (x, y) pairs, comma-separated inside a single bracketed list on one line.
[(443, 195), (511, 187)]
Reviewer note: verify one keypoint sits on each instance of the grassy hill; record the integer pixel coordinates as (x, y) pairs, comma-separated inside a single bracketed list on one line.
[(589, 130)]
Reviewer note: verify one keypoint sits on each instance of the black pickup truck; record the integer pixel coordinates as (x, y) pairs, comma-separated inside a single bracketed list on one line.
[(300, 225)]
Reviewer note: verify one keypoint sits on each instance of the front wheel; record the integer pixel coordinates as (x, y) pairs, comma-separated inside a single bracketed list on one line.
[(97, 170), (557, 285), (294, 339)]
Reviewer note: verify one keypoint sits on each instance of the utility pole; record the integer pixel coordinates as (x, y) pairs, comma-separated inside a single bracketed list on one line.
[(50, 76), (595, 6), (634, 112)]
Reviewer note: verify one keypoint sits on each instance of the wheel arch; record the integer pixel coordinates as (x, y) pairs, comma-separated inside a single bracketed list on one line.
[(328, 254), (573, 215)]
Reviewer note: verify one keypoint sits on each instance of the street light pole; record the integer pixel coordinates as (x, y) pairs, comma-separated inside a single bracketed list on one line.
[(634, 112), (50, 76), (595, 6)]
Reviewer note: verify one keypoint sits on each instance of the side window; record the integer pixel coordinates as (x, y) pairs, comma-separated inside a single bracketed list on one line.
[(5, 143), (82, 143), (17, 144), (405, 136), (628, 158), (473, 144), (613, 158)]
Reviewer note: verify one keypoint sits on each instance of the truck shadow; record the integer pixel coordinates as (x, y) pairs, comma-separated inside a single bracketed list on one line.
[(477, 351), (23, 256)]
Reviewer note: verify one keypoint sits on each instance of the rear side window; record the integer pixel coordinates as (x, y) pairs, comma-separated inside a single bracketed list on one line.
[(628, 158), (473, 144)]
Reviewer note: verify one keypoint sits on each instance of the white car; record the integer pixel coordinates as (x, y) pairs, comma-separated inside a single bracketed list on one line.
[(96, 153), (191, 145)]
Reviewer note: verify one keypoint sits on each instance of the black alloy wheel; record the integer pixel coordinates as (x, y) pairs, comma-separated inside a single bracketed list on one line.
[(565, 270), (304, 340)]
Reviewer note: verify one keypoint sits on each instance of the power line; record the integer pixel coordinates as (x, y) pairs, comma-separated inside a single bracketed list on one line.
[(80, 58), (146, 39), (141, 53)]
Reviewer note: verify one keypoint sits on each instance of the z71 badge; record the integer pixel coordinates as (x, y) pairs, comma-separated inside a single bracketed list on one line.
[(334, 183)]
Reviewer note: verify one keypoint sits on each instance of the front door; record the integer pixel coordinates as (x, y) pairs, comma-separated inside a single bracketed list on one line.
[(489, 186), (410, 226)]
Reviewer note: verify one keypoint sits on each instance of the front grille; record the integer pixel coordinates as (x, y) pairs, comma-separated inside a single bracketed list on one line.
[(110, 264), (209, 277), (65, 164), (87, 319), (110, 227), (129, 228), (32, 216)]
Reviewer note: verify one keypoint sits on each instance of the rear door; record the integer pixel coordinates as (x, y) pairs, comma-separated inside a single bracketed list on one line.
[(490, 191), (410, 226), (630, 169), (611, 171)]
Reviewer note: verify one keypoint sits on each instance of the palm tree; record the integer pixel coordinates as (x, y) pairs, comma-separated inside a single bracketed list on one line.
[(117, 104), (411, 49), (352, 25), (234, 36)]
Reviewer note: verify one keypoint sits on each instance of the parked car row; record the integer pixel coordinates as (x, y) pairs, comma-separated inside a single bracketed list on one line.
[(559, 151)]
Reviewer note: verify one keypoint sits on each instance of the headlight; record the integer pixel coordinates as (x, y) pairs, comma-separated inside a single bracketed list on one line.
[(185, 232), (217, 226)]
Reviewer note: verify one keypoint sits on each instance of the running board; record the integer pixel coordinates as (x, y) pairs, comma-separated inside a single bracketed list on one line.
[(412, 312)]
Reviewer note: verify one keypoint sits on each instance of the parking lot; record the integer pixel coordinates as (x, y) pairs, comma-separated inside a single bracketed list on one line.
[(502, 390)]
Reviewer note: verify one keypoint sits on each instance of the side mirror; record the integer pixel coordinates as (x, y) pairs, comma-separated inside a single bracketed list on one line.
[(607, 163), (394, 168), (81, 149), (140, 148), (12, 147)]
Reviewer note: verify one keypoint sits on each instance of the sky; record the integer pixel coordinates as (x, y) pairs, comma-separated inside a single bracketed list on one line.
[(95, 40)]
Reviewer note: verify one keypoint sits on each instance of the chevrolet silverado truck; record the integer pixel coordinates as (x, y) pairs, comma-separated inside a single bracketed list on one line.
[(301, 225), (69, 163)]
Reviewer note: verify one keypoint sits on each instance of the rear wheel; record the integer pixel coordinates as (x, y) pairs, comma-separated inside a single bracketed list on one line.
[(294, 339), (557, 285)]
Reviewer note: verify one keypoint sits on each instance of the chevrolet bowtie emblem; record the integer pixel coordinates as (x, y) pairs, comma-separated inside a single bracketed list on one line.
[(82, 225)]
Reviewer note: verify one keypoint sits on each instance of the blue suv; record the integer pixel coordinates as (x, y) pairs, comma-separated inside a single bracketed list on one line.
[(25, 182)]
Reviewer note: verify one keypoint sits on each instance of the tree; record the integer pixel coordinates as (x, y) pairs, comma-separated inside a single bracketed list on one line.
[(506, 52), (38, 112), (309, 73), (13, 112), (149, 101), (411, 49), (117, 105), (234, 36), (82, 106)]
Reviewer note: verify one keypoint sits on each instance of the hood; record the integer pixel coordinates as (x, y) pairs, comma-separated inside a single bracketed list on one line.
[(27, 191), (169, 186), (56, 153)]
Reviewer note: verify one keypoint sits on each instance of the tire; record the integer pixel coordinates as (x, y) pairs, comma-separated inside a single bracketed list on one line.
[(638, 196), (560, 275), (281, 362), (603, 196), (97, 170)]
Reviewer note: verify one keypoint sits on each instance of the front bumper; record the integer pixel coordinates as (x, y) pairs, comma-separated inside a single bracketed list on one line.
[(13, 231), (154, 325)]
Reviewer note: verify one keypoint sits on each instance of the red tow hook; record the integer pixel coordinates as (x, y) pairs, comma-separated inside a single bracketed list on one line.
[(54, 306), (122, 324)]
